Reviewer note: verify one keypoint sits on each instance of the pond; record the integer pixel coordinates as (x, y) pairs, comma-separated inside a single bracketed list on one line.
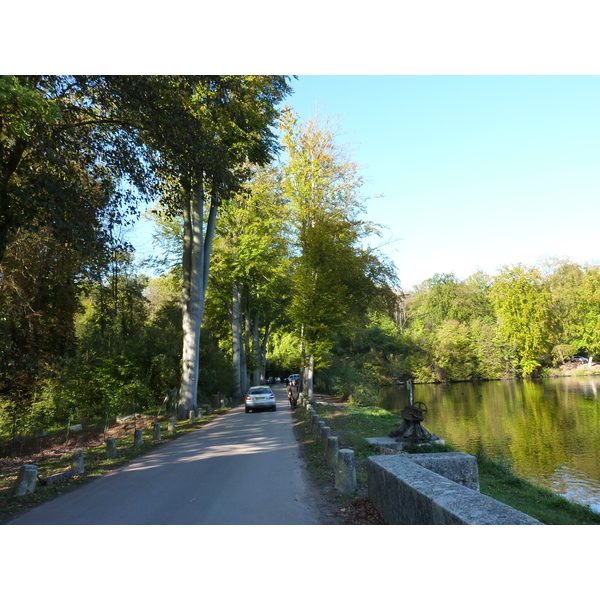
[(548, 430)]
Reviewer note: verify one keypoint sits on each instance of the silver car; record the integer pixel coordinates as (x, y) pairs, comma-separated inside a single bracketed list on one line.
[(260, 397)]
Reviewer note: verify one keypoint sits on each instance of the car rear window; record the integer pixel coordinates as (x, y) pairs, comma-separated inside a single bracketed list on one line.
[(260, 390)]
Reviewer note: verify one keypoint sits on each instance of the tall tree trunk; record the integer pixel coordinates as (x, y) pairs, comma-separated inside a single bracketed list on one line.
[(263, 352), (256, 354), (236, 333), (245, 349), (309, 377), (196, 257)]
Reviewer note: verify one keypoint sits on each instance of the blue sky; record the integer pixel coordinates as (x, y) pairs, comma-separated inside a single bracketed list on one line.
[(476, 172)]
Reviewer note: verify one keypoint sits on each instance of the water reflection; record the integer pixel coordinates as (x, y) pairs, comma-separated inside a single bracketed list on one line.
[(548, 430)]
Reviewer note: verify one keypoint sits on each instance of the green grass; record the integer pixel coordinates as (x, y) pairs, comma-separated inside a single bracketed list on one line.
[(352, 424), (497, 480)]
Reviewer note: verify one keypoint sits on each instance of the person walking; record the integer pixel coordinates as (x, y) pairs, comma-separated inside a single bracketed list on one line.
[(293, 393)]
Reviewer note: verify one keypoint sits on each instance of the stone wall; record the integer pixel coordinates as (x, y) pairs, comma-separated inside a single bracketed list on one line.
[(406, 491)]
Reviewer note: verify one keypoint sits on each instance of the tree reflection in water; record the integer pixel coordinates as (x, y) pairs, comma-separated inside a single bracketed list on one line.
[(548, 430)]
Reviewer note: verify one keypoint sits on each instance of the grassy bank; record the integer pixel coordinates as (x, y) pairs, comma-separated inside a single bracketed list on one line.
[(52, 455), (352, 424)]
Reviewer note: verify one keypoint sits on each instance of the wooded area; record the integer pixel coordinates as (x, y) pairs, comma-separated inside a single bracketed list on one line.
[(83, 332), (271, 207)]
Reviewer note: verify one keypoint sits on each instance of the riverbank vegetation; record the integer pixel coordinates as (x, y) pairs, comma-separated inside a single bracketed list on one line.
[(353, 424), (524, 321)]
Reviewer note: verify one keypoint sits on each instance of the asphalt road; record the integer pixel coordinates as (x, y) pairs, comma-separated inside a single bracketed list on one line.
[(239, 469)]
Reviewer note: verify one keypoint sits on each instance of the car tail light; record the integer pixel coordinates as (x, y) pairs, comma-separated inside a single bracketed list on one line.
[(272, 396), (248, 398)]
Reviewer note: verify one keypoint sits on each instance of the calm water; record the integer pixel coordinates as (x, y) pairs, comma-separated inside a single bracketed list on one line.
[(548, 430)]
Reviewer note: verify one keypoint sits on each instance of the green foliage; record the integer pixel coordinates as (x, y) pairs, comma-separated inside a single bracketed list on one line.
[(518, 323), (488, 353), (37, 309), (525, 319), (76, 154), (335, 279), (452, 350), (283, 354)]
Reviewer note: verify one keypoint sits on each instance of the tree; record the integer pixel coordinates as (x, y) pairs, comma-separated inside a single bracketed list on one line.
[(452, 350), (523, 305), (335, 277), (65, 152), (38, 300), (250, 268), (204, 131)]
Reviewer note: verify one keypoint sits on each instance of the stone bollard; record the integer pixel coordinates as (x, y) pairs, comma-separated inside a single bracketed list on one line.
[(157, 431), (345, 472), (111, 447), (26, 480), (318, 423), (192, 416), (325, 433), (319, 431), (172, 425), (332, 451), (137, 438), (77, 463), (199, 414)]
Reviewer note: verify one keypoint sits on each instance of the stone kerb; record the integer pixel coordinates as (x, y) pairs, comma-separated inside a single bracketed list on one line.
[(314, 418), (332, 451), (138, 438), (342, 461), (345, 472), (325, 433), (318, 422), (406, 493), (26, 480), (111, 447), (77, 462)]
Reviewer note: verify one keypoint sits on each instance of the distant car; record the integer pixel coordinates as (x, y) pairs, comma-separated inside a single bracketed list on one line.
[(295, 377), (260, 397), (579, 359)]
